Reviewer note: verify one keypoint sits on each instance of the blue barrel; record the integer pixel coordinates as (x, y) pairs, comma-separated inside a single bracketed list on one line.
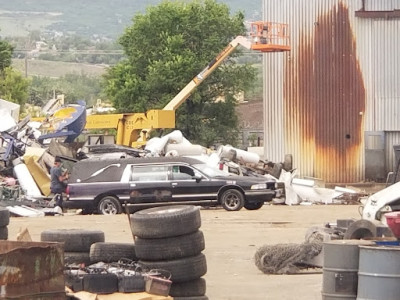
[(379, 273)]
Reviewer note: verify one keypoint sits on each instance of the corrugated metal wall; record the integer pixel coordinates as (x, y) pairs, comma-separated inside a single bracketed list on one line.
[(340, 79)]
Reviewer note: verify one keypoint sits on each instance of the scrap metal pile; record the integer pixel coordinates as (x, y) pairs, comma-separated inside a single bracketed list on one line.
[(28, 149)]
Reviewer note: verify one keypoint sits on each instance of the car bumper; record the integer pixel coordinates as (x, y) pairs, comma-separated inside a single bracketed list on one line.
[(260, 195)]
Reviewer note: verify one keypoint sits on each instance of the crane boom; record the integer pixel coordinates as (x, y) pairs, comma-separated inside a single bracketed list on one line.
[(188, 89)]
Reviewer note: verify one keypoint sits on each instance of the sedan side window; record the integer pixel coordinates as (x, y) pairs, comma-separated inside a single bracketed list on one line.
[(149, 173), (182, 173)]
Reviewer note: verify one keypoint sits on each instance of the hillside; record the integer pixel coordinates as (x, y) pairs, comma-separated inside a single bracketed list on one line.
[(104, 18), (56, 69)]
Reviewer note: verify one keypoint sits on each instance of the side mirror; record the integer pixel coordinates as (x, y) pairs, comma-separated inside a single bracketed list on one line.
[(197, 177)]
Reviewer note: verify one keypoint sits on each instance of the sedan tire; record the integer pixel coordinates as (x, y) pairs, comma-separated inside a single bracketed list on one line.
[(109, 205), (232, 200), (165, 221), (170, 248)]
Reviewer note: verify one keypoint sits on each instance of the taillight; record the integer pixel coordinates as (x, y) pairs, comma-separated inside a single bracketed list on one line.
[(67, 190)]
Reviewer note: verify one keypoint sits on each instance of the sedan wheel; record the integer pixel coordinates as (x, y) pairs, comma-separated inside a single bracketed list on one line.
[(109, 205), (232, 200)]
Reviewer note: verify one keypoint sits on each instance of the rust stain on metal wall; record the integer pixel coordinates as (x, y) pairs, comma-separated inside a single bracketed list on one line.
[(329, 102)]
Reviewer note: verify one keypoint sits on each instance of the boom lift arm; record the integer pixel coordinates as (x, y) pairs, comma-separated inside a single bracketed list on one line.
[(188, 89)]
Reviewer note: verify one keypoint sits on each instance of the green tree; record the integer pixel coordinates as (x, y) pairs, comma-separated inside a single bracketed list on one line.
[(6, 51), (74, 86), (165, 48), (14, 87)]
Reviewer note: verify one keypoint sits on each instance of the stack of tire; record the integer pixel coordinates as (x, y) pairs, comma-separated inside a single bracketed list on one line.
[(4, 221), (168, 238), (77, 243)]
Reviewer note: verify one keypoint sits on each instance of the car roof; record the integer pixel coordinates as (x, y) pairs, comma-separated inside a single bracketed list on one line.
[(86, 167)]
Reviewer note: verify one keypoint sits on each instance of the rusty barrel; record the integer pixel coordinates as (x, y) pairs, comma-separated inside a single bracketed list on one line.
[(379, 273), (340, 268), (32, 270)]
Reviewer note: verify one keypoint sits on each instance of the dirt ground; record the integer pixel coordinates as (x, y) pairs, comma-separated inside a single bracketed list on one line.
[(232, 239)]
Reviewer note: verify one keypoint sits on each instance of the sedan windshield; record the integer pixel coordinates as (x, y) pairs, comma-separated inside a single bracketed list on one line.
[(210, 171)]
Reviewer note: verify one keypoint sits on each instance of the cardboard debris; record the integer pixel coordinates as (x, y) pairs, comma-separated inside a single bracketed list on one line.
[(117, 296)]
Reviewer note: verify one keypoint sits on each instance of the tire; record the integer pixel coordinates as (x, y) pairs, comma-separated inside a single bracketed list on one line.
[(100, 283), (191, 288), (165, 221), (109, 205), (4, 216), (232, 200), (182, 270), (3, 233), (112, 252), (170, 248), (77, 258), (253, 205), (75, 240), (360, 229)]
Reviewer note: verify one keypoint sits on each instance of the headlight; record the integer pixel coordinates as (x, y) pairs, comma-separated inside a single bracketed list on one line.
[(260, 186)]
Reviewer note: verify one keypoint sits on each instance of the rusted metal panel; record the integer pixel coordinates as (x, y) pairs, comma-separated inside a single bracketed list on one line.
[(339, 80), (31, 270)]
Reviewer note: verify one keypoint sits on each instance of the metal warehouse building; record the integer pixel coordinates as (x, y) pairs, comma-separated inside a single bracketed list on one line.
[(333, 101)]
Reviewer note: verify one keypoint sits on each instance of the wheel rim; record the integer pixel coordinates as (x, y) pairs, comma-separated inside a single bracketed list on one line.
[(107, 207), (231, 200)]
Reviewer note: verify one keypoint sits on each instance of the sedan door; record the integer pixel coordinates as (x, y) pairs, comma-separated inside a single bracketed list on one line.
[(149, 184), (190, 185)]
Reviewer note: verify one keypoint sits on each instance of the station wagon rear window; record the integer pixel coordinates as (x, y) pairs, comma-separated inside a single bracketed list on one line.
[(149, 173)]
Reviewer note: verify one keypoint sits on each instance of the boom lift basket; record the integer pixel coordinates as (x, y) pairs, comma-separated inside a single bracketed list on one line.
[(269, 36)]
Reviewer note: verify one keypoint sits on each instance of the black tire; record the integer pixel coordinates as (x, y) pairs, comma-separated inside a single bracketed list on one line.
[(170, 248), (232, 200), (77, 258), (191, 288), (360, 229), (109, 205), (253, 205), (3, 233), (165, 221), (112, 252), (75, 240), (4, 216), (182, 270), (100, 283), (288, 162)]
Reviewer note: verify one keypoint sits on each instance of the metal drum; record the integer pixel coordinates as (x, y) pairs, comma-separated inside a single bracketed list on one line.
[(340, 269), (379, 273)]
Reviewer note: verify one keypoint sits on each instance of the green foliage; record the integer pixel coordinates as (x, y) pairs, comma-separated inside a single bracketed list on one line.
[(165, 49), (5, 54), (13, 87), (74, 87)]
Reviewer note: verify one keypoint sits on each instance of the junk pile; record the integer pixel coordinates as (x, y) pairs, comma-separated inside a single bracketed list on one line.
[(28, 149), (163, 260), (26, 156)]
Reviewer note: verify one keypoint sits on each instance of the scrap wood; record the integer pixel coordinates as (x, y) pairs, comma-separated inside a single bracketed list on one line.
[(82, 295)]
